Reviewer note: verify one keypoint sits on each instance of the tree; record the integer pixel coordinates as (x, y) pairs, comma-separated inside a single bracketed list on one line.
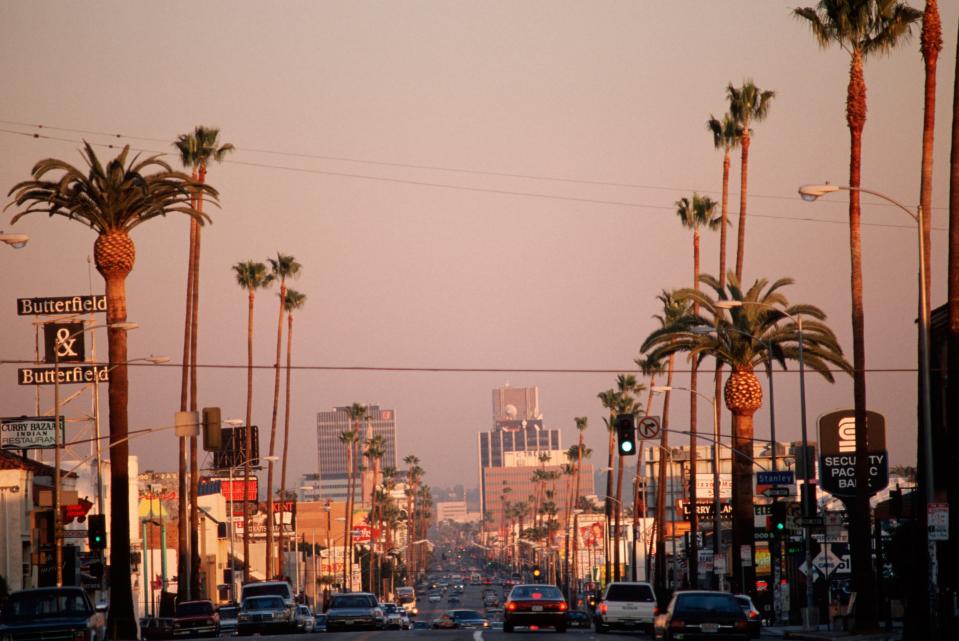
[(196, 150), (609, 401), (112, 200), (251, 276), (861, 28), (695, 214), (348, 439), (626, 388), (294, 301), (746, 105), (762, 328), (356, 413), (281, 267), (375, 449), (413, 475)]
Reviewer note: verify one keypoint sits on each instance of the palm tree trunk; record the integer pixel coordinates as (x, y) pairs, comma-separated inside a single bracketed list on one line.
[(952, 391), (346, 516), (718, 377), (860, 542), (194, 461), (931, 45), (248, 443), (693, 453), (743, 519), (184, 565), (660, 573), (122, 622), (286, 436), (744, 174), (276, 403)]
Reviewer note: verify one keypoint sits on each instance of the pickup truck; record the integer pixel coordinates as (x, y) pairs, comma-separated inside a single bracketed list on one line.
[(626, 605)]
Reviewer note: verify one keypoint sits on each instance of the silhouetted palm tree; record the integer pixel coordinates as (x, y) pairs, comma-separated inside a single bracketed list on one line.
[(294, 301)]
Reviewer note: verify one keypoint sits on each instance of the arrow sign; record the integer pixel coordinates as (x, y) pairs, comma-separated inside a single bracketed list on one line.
[(648, 427), (776, 491)]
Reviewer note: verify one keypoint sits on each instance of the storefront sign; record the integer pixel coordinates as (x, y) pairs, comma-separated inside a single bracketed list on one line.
[(61, 305), (29, 433), (67, 375)]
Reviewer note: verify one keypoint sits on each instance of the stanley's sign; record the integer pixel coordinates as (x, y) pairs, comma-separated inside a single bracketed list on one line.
[(67, 375), (61, 305)]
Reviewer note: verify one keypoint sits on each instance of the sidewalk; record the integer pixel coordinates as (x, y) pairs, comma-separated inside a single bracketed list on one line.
[(823, 634)]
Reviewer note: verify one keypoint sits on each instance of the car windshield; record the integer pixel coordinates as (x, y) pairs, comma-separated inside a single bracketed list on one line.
[(466, 614), (711, 603), (627, 592), (302, 609), (228, 612), (263, 589), (351, 601), (46, 604), (193, 608), (263, 603), (536, 592)]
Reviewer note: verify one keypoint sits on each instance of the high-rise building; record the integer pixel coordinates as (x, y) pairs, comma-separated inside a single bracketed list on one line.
[(518, 436), (332, 476)]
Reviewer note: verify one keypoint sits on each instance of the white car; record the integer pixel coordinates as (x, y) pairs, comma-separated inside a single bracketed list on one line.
[(305, 621), (434, 597)]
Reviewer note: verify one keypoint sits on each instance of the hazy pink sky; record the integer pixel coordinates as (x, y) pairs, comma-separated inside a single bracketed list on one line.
[(467, 185)]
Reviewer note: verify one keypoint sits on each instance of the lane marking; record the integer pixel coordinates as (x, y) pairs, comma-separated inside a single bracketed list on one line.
[(478, 635)]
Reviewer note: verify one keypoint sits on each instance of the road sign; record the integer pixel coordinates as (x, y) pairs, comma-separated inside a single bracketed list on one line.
[(783, 477), (826, 562), (776, 491), (648, 427), (810, 521), (837, 459), (938, 521)]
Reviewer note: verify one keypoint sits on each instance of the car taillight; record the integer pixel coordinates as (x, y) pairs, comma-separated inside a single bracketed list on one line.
[(754, 614), (676, 624), (563, 606), (655, 610), (603, 608), (741, 625), (511, 606)]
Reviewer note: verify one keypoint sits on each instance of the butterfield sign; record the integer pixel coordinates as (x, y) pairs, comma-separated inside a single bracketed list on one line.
[(66, 375), (29, 433), (61, 305), (837, 458)]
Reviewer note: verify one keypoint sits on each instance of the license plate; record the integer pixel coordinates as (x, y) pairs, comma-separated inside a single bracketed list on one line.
[(537, 608), (711, 628)]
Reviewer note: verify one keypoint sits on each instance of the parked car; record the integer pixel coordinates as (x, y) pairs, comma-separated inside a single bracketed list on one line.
[(354, 611), (305, 622), (51, 613), (535, 605), (626, 605), (266, 615), (156, 628), (319, 624), (196, 619), (752, 614), (702, 614), (228, 618), (578, 619)]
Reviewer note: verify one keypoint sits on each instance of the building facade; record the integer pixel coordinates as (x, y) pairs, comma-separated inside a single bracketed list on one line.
[(332, 472)]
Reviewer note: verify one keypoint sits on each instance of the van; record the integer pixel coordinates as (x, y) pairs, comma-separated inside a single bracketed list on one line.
[(626, 605)]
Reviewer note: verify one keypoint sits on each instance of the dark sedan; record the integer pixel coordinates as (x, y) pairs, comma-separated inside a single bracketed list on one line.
[(266, 615), (700, 614), (51, 613), (461, 620), (354, 611), (535, 606)]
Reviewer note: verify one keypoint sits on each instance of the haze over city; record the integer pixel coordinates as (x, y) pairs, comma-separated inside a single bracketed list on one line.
[(479, 194)]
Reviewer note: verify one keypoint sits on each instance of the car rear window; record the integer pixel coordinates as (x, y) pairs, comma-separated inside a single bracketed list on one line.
[(264, 589), (634, 593), (45, 604), (263, 603), (352, 601), (712, 603), (228, 612), (536, 592)]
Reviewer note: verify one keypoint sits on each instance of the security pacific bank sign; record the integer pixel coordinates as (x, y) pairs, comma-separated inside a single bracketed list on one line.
[(63, 376), (837, 457)]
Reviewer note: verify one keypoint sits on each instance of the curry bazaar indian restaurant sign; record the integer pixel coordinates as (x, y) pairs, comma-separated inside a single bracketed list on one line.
[(28, 433)]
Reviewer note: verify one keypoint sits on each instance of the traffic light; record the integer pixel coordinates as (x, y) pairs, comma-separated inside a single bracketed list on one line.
[(626, 434), (212, 429), (97, 532), (537, 573), (778, 518)]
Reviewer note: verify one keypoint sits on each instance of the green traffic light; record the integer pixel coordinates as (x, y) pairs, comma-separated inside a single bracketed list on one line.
[(780, 526)]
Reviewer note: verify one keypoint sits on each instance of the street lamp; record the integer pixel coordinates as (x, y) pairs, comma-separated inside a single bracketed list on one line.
[(717, 520), (17, 241), (57, 444), (809, 193)]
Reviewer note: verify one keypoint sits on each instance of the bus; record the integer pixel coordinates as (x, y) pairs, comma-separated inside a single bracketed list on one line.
[(406, 597)]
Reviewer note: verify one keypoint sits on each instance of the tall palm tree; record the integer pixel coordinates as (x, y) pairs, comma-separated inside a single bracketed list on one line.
[(673, 310), (760, 330), (581, 452), (356, 413), (251, 276), (695, 213), (112, 200), (626, 388), (862, 28), (294, 301), (413, 475), (348, 439), (930, 45), (375, 449), (609, 400), (196, 149), (747, 104), (281, 267)]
